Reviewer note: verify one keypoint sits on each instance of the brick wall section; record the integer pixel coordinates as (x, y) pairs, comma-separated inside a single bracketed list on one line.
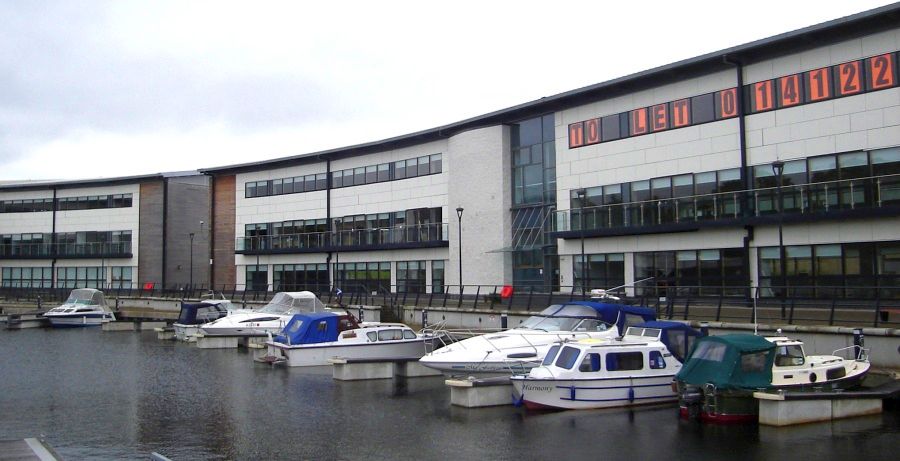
[(150, 241), (223, 230)]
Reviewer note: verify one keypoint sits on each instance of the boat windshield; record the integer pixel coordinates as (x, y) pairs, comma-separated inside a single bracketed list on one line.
[(86, 297), (284, 303), (565, 318)]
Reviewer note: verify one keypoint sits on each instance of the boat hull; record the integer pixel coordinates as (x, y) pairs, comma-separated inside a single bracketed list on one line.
[(186, 332), (318, 354), (77, 321), (575, 394)]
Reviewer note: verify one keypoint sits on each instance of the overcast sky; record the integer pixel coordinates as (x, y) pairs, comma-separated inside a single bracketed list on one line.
[(101, 89)]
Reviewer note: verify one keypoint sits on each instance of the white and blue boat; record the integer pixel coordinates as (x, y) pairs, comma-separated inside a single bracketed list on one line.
[(85, 307), (192, 315), (635, 369), (312, 338), (518, 350)]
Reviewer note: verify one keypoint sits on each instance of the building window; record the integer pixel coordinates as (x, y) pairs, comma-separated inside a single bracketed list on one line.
[(603, 271), (437, 276), (81, 277), (26, 277), (691, 272), (372, 277), (121, 276), (297, 277), (257, 278), (411, 277)]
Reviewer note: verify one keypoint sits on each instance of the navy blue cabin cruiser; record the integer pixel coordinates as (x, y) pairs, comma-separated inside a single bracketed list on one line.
[(312, 338), (192, 315)]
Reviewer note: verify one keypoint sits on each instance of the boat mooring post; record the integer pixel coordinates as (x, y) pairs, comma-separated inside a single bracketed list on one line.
[(361, 314), (424, 318), (859, 340), (504, 321)]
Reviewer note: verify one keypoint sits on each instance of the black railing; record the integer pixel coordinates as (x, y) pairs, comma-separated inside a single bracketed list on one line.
[(686, 303), (66, 250), (812, 198), (402, 235)]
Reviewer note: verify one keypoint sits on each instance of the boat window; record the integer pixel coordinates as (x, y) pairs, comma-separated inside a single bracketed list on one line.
[(632, 319), (624, 361), (261, 319), (567, 357), (753, 362), (656, 360), (677, 342), (551, 355), (295, 325), (390, 335), (322, 326), (591, 362), (591, 325), (550, 310), (789, 356), (84, 309), (345, 324), (372, 336), (409, 334), (714, 352)]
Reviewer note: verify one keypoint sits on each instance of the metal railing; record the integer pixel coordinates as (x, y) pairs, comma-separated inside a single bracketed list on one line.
[(65, 250), (343, 238), (741, 304), (819, 197)]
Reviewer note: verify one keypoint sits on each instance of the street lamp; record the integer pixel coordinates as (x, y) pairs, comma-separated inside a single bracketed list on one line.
[(778, 169), (581, 193), (459, 212), (191, 270)]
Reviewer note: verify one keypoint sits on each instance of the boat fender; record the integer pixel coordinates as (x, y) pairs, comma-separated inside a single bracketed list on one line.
[(631, 394), (812, 377)]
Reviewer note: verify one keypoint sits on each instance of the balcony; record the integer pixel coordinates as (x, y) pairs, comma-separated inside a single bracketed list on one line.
[(850, 198), (420, 236), (65, 250)]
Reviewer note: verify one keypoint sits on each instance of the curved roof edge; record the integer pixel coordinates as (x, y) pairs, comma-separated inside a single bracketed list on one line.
[(829, 32)]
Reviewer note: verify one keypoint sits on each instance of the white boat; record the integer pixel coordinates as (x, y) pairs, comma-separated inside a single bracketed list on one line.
[(271, 318), (310, 339), (193, 315), (517, 350), (84, 307), (635, 369)]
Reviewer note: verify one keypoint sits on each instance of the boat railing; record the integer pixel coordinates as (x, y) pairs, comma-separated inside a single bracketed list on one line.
[(858, 352)]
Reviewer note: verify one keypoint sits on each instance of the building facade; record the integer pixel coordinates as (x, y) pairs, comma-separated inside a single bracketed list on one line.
[(117, 233)]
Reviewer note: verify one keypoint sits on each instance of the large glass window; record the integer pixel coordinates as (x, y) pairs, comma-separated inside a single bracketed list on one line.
[(26, 277), (603, 271), (411, 276), (371, 277), (257, 277), (437, 276), (297, 277), (81, 277)]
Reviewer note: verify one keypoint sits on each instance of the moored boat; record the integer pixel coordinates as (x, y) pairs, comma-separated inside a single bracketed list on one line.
[(84, 307), (193, 315), (721, 374), (518, 350), (310, 339), (635, 369), (271, 318)]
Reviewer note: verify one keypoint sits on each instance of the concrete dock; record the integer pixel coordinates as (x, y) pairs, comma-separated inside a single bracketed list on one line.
[(27, 450), (791, 408)]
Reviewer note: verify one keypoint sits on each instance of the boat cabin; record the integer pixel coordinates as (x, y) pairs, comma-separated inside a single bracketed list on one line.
[(734, 361), (587, 316), (678, 337), (203, 312)]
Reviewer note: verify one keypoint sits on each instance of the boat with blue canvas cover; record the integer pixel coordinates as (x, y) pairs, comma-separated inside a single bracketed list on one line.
[(634, 369), (518, 350), (85, 307), (311, 339), (721, 374)]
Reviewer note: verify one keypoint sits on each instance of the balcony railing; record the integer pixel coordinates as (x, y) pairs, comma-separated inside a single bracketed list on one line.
[(66, 250), (805, 199), (394, 236)]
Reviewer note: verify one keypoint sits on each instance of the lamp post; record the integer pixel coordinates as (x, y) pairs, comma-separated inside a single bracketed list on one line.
[(581, 193), (191, 264), (459, 213), (778, 169)]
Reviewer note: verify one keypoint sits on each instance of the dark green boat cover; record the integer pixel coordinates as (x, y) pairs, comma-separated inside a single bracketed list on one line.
[(736, 361)]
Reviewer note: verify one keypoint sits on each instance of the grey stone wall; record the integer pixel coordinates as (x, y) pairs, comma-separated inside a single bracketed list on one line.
[(188, 212)]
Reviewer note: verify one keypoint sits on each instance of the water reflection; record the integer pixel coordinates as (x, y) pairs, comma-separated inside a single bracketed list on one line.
[(100, 395)]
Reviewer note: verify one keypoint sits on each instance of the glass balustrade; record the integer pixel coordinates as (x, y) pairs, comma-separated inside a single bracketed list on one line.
[(344, 238), (65, 250), (812, 198)]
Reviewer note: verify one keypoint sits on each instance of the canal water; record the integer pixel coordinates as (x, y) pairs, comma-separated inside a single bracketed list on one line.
[(124, 395)]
